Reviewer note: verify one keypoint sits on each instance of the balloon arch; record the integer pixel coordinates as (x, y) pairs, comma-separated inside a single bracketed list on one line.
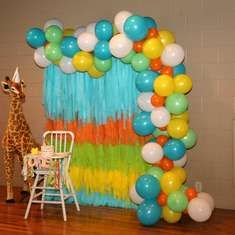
[(162, 87)]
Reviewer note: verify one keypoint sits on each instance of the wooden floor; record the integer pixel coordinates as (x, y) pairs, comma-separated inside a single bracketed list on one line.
[(101, 220)]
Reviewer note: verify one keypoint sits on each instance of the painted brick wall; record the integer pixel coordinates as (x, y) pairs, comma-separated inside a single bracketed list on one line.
[(205, 28)]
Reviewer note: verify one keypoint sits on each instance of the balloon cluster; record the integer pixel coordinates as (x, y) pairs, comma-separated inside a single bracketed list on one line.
[(163, 86)]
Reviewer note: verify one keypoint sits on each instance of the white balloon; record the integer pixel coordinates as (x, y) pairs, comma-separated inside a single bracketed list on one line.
[(120, 18), (144, 101), (120, 45), (53, 21), (87, 41), (91, 28), (78, 31), (152, 152), (160, 117), (134, 196), (199, 209), (208, 198), (40, 58), (172, 55), (181, 162), (66, 65)]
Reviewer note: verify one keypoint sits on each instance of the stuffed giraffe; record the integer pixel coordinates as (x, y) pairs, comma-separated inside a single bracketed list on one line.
[(17, 140)]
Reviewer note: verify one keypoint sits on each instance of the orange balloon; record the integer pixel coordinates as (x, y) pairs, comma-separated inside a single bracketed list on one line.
[(162, 199), (166, 164), (162, 139), (157, 100), (167, 70), (191, 193), (138, 46), (153, 32), (162, 128), (156, 64)]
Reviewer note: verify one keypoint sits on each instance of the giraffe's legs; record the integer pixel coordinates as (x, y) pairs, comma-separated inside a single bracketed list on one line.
[(9, 171)]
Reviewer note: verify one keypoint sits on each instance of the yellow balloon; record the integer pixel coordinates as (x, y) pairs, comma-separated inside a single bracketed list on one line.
[(164, 85), (183, 83), (177, 128), (184, 116), (153, 48), (180, 172), (170, 182), (68, 32), (166, 37), (94, 72), (170, 216), (82, 61)]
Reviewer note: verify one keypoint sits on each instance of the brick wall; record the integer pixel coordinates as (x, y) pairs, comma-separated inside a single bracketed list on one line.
[(205, 28)]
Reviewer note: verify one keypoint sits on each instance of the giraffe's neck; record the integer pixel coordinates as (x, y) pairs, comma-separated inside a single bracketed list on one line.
[(16, 111)]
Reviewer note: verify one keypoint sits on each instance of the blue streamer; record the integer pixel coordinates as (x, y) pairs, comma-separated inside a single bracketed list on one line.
[(77, 96)]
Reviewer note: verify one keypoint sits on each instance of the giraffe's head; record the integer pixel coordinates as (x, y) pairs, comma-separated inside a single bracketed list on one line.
[(14, 87)]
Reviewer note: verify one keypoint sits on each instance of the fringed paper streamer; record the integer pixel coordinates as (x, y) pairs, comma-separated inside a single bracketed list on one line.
[(112, 132), (79, 97)]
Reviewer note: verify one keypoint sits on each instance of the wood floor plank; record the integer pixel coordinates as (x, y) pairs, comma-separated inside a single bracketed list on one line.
[(101, 220)]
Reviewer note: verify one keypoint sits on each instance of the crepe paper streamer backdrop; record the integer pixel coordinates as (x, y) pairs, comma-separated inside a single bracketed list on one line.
[(79, 97)]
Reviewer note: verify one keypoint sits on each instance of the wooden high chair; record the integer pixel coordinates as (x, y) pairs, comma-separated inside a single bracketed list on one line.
[(58, 165)]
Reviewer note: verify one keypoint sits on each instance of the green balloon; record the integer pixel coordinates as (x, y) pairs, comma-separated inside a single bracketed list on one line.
[(176, 103), (190, 139), (183, 188), (158, 132), (177, 201), (53, 34), (139, 62), (115, 30), (127, 59), (103, 65), (151, 140), (53, 52), (157, 172)]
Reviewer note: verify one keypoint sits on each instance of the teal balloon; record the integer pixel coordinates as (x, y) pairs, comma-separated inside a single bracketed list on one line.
[(139, 62), (135, 28), (54, 34), (157, 172), (147, 186), (127, 59), (190, 139), (149, 212), (103, 65), (176, 103), (53, 52), (69, 46), (179, 69), (177, 201), (144, 80), (174, 149), (150, 22), (158, 132), (102, 50), (142, 124), (35, 37), (104, 30)]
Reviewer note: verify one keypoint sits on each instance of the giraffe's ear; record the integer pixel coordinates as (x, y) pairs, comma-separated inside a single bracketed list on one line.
[(5, 87)]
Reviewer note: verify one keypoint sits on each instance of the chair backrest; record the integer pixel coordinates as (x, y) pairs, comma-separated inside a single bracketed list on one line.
[(62, 141)]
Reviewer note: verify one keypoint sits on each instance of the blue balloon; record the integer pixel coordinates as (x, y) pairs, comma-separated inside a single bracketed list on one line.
[(35, 37), (142, 124), (150, 22), (135, 28), (102, 50), (174, 149), (147, 186), (149, 212), (144, 80), (179, 69), (69, 46), (104, 30)]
